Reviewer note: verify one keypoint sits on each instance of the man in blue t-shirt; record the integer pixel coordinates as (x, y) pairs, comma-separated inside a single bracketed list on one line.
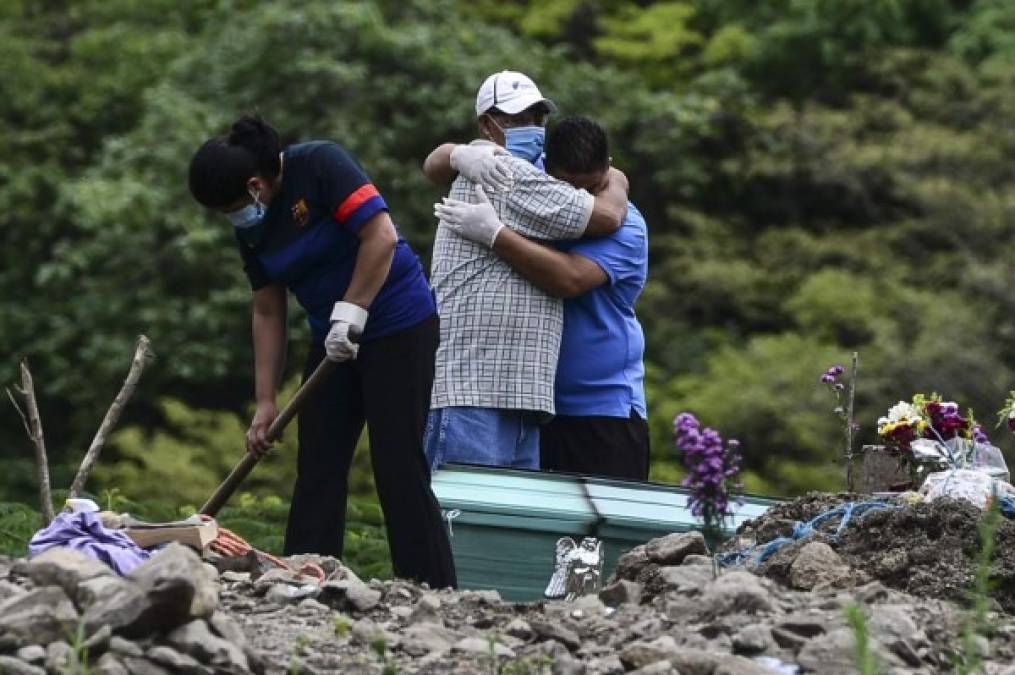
[(600, 427)]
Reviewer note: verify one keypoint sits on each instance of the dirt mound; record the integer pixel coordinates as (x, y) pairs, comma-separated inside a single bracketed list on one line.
[(927, 549)]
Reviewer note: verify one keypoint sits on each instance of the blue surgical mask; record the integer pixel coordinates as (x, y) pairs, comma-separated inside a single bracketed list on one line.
[(249, 216), (525, 142)]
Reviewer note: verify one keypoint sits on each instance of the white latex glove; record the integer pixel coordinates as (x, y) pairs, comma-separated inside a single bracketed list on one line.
[(475, 222), (346, 318), (485, 164)]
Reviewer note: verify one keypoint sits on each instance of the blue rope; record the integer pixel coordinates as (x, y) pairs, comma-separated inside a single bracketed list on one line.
[(802, 530)]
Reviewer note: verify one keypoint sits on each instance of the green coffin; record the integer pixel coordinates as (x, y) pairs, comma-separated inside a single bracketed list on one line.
[(509, 521)]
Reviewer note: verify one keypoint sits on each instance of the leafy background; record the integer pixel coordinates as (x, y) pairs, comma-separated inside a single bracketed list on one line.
[(819, 177)]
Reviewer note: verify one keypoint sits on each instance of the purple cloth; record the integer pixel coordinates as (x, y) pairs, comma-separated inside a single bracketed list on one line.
[(83, 531)]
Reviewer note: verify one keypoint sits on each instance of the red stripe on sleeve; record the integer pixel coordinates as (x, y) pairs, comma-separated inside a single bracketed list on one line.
[(354, 201)]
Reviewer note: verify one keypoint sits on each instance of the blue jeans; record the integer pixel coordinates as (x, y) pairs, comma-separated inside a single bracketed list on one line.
[(488, 436)]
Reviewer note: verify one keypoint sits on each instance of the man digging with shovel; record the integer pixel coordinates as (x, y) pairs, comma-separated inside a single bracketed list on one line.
[(308, 220)]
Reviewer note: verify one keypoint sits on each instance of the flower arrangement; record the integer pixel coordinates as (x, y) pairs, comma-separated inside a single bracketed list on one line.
[(712, 469), (926, 417)]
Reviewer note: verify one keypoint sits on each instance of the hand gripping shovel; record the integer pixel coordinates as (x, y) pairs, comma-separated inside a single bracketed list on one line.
[(246, 464)]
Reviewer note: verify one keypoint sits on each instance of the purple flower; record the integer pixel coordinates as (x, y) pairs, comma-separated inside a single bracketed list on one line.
[(712, 467), (827, 379), (979, 435)]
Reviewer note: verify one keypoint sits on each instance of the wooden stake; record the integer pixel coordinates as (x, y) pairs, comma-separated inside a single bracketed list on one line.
[(142, 354), (849, 421), (33, 427)]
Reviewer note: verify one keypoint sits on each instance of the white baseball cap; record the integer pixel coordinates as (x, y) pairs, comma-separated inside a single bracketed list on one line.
[(510, 92)]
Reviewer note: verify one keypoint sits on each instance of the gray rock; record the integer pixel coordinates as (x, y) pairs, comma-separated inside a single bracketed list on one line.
[(12, 666), (606, 665), (738, 665), (226, 627), (696, 559), (476, 645), (736, 591), (366, 632), (484, 596), (565, 664), (8, 590), (110, 665), (691, 661), (426, 610), (176, 662), (33, 654), (60, 658), (834, 653), (286, 594), (620, 592), (311, 607), (274, 576), (809, 623), (427, 638), (587, 606), (232, 577), (178, 584), (787, 639), (196, 639), (140, 666), (632, 563), (817, 564), (349, 595), (556, 631), (893, 621), (118, 603), (643, 653), (98, 642), (66, 568), (519, 628), (688, 579), (753, 639), (125, 647), (657, 668), (37, 617), (673, 548)]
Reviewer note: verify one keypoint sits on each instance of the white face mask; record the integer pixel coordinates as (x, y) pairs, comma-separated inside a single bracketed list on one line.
[(249, 216)]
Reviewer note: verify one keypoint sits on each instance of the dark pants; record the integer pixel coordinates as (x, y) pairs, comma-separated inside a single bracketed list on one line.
[(596, 446), (388, 387)]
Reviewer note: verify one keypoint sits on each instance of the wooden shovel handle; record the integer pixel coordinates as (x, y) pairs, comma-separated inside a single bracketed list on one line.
[(249, 460)]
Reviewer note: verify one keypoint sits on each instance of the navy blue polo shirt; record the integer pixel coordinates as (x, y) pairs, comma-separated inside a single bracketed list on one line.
[(308, 243)]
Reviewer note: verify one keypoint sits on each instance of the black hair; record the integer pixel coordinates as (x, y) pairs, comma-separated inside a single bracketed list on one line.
[(221, 167), (577, 145)]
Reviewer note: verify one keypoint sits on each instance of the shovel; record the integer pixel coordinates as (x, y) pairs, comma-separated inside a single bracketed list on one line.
[(246, 464)]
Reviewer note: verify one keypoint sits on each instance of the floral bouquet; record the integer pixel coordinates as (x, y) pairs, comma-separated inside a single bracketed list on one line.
[(931, 430)]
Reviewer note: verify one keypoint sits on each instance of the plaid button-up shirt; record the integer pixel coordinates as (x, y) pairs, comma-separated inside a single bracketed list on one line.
[(500, 335)]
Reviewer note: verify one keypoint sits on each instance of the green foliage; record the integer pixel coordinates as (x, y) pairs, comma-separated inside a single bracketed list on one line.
[(819, 177), (18, 523)]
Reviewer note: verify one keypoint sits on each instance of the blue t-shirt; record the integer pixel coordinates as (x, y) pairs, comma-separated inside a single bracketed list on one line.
[(601, 371), (308, 243)]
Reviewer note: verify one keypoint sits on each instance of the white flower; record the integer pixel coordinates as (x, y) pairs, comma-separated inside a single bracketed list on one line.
[(903, 412)]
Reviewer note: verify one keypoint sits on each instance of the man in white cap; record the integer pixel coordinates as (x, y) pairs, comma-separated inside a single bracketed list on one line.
[(500, 335)]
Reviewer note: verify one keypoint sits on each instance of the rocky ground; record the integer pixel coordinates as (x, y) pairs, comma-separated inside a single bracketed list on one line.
[(668, 611)]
